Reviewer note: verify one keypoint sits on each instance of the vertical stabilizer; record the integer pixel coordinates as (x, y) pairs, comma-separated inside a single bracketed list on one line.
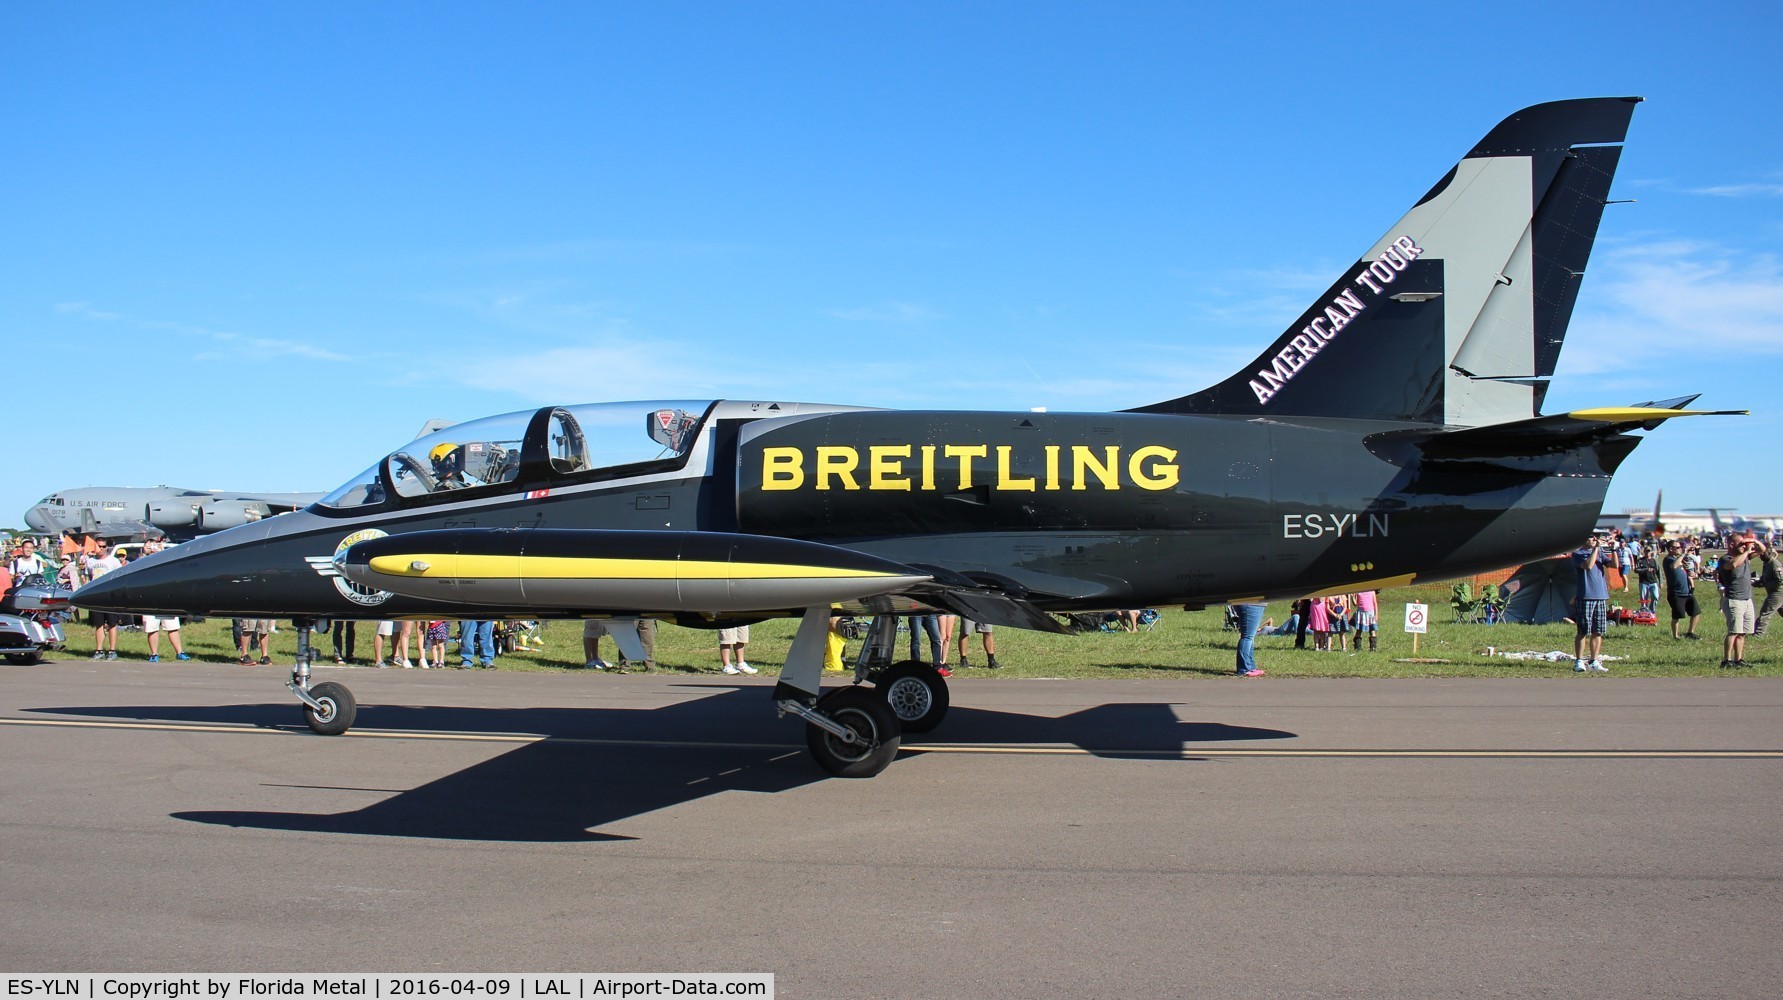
[(1457, 314)]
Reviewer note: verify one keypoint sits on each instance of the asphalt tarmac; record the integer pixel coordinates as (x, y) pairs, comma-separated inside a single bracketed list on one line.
[(1557, 836)]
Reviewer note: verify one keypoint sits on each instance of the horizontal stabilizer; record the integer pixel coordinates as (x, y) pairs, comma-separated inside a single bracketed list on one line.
[(1548, 435)]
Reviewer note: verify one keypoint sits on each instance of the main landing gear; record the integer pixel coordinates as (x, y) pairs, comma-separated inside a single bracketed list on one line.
[(328, 707), (915, 691)]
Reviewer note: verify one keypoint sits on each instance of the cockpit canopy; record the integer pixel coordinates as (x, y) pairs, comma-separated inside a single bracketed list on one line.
[(556, 444)]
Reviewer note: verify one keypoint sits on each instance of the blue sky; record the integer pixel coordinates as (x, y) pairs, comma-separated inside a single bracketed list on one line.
[(255, 246)]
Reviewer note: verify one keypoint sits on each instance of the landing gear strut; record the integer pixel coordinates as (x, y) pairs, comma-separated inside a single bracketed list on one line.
[(328, 707)]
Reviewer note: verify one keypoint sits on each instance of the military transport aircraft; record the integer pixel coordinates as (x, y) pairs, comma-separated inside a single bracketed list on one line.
[(1723, 520), (1636, 523), (1392, 434), (127, 513)]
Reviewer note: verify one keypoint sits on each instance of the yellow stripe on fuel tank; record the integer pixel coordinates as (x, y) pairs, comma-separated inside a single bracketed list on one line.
[(1627, 414), (432, 565)]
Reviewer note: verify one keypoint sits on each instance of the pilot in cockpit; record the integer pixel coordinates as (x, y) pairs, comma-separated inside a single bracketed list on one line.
[(474, 463), (448, 466)]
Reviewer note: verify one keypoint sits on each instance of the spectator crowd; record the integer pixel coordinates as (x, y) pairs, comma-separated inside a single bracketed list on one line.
[(1656, 571)]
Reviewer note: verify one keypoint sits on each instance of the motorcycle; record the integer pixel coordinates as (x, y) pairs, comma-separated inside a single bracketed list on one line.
[(31, 617)]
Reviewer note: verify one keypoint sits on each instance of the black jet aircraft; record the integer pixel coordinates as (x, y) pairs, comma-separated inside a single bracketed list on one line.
[(1392, 434)]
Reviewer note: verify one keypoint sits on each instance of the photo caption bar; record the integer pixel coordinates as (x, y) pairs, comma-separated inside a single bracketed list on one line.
[(383, 985)]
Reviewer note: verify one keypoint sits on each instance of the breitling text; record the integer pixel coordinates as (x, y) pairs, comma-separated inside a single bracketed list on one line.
[(954, 467)]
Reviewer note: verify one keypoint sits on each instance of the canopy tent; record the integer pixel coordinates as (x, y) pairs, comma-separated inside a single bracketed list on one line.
[(1541, 592)]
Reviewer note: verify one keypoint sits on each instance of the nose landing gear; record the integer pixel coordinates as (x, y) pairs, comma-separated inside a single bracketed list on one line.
[(328, 707)]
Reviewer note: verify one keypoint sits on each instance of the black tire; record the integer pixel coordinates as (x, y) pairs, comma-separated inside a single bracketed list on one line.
[(24, 659), (342, 709), (916, 693), (867, 714)]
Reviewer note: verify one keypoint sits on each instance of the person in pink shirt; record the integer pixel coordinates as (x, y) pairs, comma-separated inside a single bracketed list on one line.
[(1319, 624), (1368, 620)]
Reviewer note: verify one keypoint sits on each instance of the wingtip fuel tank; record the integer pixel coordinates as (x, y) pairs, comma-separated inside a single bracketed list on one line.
[(683, 571)]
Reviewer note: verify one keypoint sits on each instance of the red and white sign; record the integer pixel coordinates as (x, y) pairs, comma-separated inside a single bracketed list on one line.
[(1417, 618)]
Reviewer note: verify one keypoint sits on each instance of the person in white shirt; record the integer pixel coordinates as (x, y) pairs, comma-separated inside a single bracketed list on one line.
[(28, 562), (105, 623)]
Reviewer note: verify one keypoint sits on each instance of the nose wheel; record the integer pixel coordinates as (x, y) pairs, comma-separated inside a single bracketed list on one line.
[(328, 707), (333, 710)]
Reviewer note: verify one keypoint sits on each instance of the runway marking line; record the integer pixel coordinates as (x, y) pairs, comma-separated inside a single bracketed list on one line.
[(1187, 752)]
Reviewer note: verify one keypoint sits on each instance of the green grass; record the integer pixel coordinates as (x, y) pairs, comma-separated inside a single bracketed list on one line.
[(1183, 644)]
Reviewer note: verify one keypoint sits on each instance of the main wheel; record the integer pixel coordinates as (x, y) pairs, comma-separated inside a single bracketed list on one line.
[(916, 694), (862, 711), (24, 659), (338, 709)]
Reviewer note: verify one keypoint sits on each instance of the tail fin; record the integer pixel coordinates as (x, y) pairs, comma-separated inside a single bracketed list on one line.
[(1457, 314)]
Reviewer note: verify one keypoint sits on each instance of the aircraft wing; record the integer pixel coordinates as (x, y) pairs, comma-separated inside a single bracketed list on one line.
[(995, 608), (982, 597), (125, 530), (277, 503)]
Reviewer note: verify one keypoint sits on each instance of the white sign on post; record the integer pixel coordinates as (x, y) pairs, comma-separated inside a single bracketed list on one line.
[(1417, 618)]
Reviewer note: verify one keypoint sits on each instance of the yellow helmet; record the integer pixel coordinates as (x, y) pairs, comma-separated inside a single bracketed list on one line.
[(441, 450)]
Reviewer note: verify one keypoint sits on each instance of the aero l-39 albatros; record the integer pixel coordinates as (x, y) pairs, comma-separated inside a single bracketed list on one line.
[(1391, 434)]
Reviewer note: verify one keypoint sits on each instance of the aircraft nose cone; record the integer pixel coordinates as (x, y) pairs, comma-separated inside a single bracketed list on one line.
[(36, 520), (153, 585), (108, 593)]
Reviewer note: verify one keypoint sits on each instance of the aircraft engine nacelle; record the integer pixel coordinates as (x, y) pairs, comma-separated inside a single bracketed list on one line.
[(172, 513), (215, 515)]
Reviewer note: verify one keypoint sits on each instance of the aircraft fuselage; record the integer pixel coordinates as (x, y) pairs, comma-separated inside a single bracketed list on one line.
[(1071, 511)]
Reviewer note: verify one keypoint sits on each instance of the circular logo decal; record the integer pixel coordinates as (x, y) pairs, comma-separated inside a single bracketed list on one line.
[(361, 595)]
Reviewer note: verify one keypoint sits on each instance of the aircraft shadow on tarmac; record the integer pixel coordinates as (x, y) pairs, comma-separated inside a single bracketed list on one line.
[(564, 787)]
